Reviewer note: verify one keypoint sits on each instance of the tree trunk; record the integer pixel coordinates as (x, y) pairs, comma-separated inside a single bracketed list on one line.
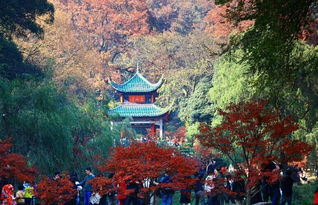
[(248, 197)]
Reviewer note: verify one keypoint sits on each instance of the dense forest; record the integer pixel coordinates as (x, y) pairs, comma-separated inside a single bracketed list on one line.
[(56, 59)]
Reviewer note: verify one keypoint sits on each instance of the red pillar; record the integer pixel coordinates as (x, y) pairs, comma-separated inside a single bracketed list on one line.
[(152, 98), (153, 130)]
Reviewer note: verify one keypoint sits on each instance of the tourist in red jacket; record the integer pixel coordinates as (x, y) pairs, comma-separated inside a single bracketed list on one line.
[(122, 195)]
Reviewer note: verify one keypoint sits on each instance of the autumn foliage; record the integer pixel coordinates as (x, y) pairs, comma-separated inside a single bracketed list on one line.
[(14, 165), (259, 135), (141, 162), (57, 191), (291, 17), (219, 22), (110, 21)]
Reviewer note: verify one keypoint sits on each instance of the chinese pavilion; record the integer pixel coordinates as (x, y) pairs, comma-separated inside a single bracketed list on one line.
[(137, 98)]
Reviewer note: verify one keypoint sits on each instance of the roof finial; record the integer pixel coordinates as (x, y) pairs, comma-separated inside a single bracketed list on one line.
[(138, 62)]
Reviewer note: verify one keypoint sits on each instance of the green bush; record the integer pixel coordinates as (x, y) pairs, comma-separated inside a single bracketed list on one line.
[(303, 194)]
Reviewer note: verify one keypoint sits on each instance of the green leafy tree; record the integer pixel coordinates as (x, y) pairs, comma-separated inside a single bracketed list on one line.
[(233, 83), (19, 18), (42, 121), (197, 107), (230, 82), (278, 62), (38, 118)]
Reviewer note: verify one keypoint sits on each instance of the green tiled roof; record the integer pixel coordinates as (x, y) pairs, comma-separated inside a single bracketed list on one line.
[(137, 84), (137, 110)]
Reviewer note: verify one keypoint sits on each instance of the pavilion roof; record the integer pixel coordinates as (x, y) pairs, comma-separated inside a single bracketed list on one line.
[(136, 84), (137, 110)]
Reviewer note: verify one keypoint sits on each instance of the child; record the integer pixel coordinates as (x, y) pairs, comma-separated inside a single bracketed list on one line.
[(19, 196)]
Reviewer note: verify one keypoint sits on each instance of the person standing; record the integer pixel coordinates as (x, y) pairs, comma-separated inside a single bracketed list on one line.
[(287, 188), (7, 195), (76, 199), (229, 185), (199, 190), (315, 202), (28, 193), (185, 196), (209, 187), (19, 196), (167, 193), (122, 189), (112, 196), (87, 186)]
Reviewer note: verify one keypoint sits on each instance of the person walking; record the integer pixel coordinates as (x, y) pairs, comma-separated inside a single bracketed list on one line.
[(287, 188), (87, 186)]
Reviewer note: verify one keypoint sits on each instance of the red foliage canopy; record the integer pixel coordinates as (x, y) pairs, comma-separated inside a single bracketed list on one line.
[(57, 191), (205, 154), (142, 162), (180, 135), (219, 23), (259, 135), (110, 22), (14, 165)]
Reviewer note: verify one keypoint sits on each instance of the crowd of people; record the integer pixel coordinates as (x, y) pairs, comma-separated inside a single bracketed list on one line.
[(206, 190), (23, 195)]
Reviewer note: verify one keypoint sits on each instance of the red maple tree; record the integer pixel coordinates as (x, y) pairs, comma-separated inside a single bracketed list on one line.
[(13, 165), (260, 136), (145, 163), (57, 191)]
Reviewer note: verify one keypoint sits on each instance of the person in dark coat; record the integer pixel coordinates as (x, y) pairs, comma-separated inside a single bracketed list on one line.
[(199, 190), (185, 197), (132, 198), (273, 188), (229, 185), (239, 189), (74, 180), (287, 188), (257, 197), (166, 193)]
